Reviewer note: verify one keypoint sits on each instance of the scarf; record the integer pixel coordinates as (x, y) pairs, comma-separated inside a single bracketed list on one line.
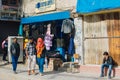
[(39, 46)]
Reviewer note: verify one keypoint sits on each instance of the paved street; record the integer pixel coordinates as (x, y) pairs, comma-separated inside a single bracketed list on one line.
[(7, 74)]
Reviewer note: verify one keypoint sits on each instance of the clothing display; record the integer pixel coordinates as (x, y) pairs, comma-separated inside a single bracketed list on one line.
[(48, 38), (67, 26), (66, 38), (56, 36), (60, 42), (42, 29), (71, 48), (48, 41)]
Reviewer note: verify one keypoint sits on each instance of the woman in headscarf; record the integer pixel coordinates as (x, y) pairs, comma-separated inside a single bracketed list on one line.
[(40, 55)]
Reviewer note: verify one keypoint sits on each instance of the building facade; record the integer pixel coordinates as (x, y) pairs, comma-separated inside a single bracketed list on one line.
[(10, 14), (97, 27), (10, 10)]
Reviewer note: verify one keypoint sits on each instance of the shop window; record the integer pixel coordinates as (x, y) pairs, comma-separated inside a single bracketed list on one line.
[(13, 2), (9, 2), (4, 2)]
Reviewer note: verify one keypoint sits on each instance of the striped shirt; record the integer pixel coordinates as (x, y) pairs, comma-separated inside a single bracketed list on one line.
[(30, 48)]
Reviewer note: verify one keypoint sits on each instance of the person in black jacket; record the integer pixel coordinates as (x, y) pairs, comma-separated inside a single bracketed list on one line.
[(15, 52), (107, 62)]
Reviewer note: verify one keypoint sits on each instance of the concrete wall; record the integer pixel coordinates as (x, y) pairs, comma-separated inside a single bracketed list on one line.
[(29, 6), (101, 33)]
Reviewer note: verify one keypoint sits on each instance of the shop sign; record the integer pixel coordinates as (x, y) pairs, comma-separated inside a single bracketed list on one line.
[(44, 5)]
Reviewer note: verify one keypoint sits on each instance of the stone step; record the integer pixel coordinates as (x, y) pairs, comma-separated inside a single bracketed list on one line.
[(69, 67)]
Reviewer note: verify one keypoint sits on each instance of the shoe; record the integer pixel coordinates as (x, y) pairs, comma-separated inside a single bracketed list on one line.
[(101, 75), (33, 71), (109, 77), (41, 74), (28, 72), (15, 72)]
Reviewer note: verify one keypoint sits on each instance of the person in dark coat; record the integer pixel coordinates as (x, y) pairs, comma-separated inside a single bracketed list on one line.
[(107, 62), (15, 52)]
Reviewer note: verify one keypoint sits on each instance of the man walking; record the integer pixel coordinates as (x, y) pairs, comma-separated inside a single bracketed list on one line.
[(31, 55), (15, 52)]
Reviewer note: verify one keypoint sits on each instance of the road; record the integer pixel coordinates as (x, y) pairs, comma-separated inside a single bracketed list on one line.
[(6, 73)]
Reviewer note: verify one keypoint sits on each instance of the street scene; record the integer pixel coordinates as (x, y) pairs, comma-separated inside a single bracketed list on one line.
[(60, 39)]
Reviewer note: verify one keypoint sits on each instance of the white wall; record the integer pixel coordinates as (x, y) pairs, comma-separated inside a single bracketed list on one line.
[(29, 6), (66, 4), (78, 38)]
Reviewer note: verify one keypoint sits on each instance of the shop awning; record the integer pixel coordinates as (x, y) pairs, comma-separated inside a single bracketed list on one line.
[(90, 6), (46, 17)]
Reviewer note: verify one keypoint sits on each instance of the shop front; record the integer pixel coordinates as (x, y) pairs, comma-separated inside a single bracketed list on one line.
[(59, 24)]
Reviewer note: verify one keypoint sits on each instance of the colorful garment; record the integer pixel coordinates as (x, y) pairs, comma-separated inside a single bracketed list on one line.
[(48, 41), (39, 47)]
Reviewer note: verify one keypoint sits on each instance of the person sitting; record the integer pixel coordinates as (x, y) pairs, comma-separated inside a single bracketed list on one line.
[(107, 62)]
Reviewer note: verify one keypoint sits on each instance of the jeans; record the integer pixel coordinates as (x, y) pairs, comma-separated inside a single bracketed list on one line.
[(14, 62), (41, 62), (109, 68), (31, 62)]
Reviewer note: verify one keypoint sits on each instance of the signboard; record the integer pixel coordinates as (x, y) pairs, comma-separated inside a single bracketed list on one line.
[(44, 5)]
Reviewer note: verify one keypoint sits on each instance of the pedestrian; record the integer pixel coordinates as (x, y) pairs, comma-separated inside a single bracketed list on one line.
[(15, 52), (24, 49), (31, 55), (40, 55), (5, 49), (107, 62)]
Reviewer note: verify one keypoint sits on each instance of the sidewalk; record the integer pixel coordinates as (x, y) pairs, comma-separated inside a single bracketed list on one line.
[(7, 74)]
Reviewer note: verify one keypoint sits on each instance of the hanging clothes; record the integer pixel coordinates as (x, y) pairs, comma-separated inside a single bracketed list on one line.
[(48, 41), (42, 29), (71, 48), (48, 37), (66, 38), (67, 26)]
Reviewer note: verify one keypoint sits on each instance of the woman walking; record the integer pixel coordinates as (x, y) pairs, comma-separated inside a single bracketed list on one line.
[(40, 55)]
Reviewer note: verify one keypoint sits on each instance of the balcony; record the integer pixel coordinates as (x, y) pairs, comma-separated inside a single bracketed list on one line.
[(9, 13)]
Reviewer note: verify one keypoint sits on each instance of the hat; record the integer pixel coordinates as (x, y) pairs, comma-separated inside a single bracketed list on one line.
[(26, 40)]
